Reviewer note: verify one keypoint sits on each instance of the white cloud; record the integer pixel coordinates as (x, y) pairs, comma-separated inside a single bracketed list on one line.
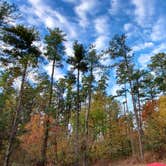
[(17, 83), (49, 22), (128, 27), (101, 25), (142, 46), (158, 30), (160, 48), (57, 72), (144, 59), (115, 6), (132, 30), (106, 60), (69, 48), (102, 32), (31, 76), (85, 8), (97, 74), (40, 45), (144, 10), (114, 89), (101, 42), (49, 17), (69, 67)]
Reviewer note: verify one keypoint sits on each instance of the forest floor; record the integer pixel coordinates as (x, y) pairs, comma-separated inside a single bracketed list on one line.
[(118, 163), (124, 163), (149, 158)]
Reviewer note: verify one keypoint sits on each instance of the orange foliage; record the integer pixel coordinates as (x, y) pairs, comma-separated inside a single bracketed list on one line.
[(32, 140), (148, 109)]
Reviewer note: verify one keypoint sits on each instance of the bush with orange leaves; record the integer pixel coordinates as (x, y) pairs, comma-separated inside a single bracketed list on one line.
[(155, 126), (148, 109), (31, 141)]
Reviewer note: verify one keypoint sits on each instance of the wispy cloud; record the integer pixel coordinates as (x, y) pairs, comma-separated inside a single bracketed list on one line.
[(131, 30), (128, 27), (101, 24), (84, 9), (69, 48), (158, 30), (115, 7), (101, 42), (88, 21), (144, 59), (58, 73), (159, 48), (142, 46), (114, 89), (49, 17), (102, 32), (144, 11)]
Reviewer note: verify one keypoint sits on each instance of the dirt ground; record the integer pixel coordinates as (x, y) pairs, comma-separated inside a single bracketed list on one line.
[(120, 163), (132, 161), (123, 163)]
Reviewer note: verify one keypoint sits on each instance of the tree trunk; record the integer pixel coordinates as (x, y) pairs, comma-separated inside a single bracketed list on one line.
[(16, 119), (47, 123), (135, 110), (139, 108), (89, 104), (45, 140), (138, 126), (87, 119), (77, 120), (130, 130)]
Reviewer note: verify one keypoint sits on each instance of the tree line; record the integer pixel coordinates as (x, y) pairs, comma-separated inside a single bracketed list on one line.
[(73, 120)]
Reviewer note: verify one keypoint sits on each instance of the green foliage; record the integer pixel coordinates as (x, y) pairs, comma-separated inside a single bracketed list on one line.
[(149, 88), (78, 61), (22, 49), (7, 11), (55, 48), (158, 66)]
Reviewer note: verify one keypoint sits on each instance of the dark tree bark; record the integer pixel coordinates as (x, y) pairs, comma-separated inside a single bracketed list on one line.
[(47, 122), (87, 118), (77, 151), (135, 110), (130, 129), (16, 119)]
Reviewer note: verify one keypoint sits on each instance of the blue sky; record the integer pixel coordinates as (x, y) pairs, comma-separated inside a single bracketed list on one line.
[(97, 21)]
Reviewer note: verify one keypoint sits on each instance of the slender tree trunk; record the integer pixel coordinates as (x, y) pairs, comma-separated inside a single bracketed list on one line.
[(138, 126), (130, 130), (151, 94), (87, 119), (67, 119), (16, 119), (139, 108), (164, 76), (47, 123), (45, 140), (135, 110), (77, 120), (89, 104), (78, 102)]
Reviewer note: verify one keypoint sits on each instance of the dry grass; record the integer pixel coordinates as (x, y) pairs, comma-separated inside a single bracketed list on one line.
[(132, 161)]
